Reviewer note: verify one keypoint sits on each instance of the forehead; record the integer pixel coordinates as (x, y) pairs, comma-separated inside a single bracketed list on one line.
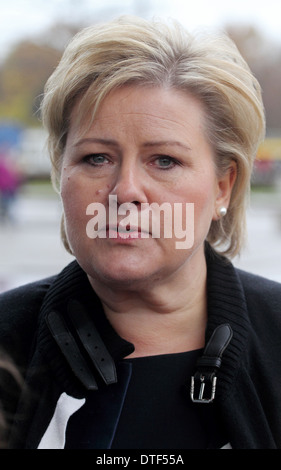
[(155, 108)]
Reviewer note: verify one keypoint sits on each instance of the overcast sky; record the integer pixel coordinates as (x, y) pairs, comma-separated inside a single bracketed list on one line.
[(20, 18)]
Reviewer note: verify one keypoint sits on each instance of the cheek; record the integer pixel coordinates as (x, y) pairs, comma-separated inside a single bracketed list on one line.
[(73, 199), (204, 210), (204, 198), (77, 192), (202, 194), (74, 208)]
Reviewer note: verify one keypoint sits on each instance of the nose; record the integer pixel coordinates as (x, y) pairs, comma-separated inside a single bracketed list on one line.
[(129, 185)]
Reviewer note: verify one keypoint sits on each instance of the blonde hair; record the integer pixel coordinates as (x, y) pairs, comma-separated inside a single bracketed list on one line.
[(131, 50)]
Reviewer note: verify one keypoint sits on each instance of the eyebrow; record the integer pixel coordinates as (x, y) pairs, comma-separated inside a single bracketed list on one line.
[(95, 140), (114, 143), (159, 143)]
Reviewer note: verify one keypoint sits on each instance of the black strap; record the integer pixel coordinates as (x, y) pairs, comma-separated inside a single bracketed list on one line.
[(70, 350), (81, 345), (204, 381), (92, 342)]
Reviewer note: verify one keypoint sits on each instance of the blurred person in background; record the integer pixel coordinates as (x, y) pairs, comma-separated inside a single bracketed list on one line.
[(9, 184), (138, 344)]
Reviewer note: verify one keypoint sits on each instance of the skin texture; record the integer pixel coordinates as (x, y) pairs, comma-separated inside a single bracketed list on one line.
[(146, 145)]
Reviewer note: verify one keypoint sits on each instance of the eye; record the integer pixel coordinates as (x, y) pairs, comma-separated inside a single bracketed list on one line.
[(165, 162), (97, 159)]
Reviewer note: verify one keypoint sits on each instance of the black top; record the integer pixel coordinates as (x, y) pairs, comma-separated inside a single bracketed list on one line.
[(158, 412)]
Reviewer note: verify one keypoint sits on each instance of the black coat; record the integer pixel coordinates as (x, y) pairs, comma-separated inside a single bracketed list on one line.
[(248, 395)]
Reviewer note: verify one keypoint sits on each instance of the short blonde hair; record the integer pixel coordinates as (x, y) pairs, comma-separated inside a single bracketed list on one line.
[(131, 50)]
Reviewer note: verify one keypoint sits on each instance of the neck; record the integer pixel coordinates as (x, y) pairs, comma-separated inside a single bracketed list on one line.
[(163, 318)]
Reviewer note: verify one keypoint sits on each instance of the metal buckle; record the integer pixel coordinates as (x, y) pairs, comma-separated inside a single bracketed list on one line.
[(201, 398)]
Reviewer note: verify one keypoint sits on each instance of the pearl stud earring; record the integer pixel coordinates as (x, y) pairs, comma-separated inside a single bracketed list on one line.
[(222, 211)]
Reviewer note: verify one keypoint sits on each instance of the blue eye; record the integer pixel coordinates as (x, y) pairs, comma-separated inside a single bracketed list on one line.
[(96, 159), (165, 162)]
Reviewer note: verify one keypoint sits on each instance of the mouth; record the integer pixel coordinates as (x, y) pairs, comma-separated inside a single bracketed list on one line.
[(128, 232)]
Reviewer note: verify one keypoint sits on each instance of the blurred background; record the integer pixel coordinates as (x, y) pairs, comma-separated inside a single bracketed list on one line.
[(33, 34)]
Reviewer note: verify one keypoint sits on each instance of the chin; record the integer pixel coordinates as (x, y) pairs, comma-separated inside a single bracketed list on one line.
[(120, 275), (124, 278)]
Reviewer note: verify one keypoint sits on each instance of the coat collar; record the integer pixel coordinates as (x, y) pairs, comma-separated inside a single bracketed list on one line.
[(71, 289), (226, 304)]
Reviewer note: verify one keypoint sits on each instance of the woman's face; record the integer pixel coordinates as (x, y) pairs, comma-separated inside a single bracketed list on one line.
[(145, 146)]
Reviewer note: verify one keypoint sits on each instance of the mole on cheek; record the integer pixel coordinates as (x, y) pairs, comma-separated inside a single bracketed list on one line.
[(68, 177)]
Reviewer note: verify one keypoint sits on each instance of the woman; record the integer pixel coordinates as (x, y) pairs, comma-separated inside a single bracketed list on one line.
[(142, 342)]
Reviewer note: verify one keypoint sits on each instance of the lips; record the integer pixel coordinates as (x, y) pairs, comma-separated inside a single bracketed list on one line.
[(122, 230), (126, 232)]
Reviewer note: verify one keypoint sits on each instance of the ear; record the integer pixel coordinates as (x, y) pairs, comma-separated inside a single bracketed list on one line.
[(224, 189)]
